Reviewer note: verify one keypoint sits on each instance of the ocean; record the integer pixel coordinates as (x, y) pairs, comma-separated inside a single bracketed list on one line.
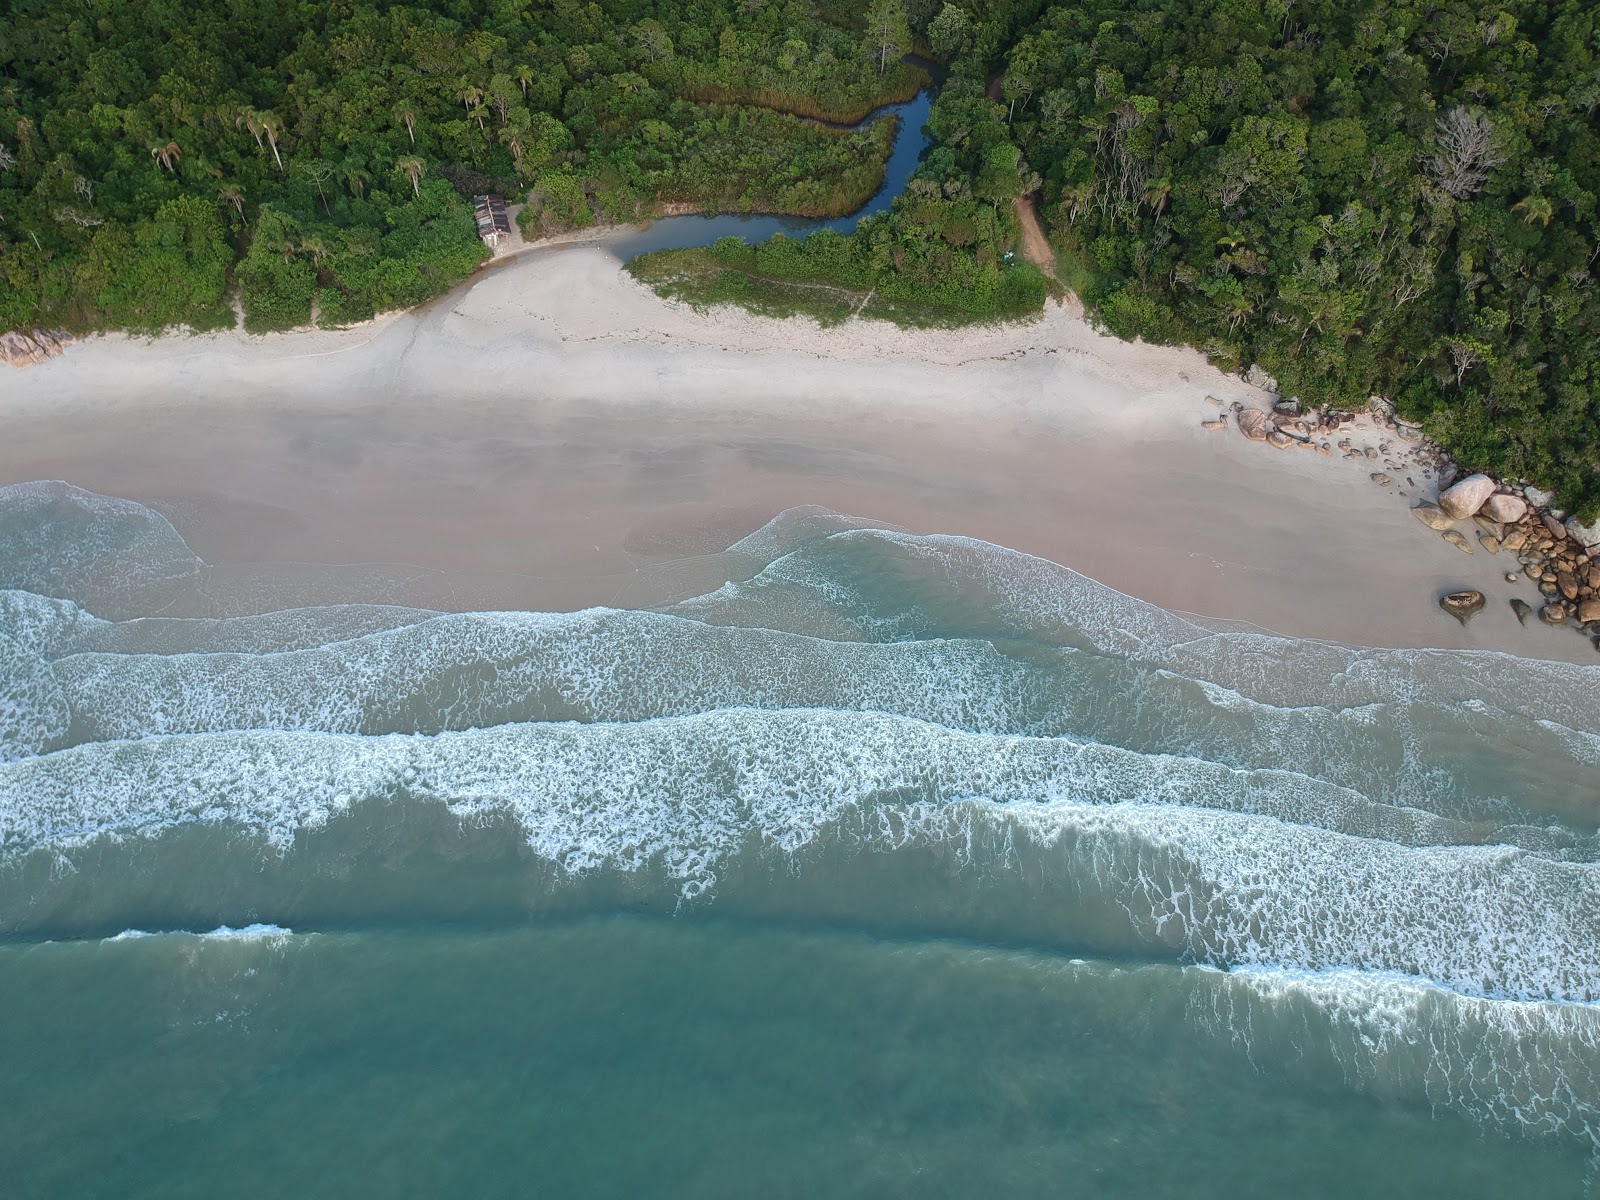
[(893, 865)]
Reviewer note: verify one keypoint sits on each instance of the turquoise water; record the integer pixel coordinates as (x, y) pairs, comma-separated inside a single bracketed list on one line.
[(897, 865)]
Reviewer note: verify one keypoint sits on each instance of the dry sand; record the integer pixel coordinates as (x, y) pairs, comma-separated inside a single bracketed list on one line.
[(551, 433)]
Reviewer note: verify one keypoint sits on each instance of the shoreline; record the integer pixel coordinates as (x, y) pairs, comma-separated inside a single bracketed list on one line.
[(550, 431)]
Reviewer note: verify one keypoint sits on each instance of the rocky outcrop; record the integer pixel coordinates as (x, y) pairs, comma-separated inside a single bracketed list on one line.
[(1464, 499), (27, 349), (1463, 606)]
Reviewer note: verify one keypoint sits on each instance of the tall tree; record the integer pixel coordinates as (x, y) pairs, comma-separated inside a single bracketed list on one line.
[(888, 31)]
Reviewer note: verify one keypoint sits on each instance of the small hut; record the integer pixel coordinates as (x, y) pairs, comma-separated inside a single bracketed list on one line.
[(494, 225)]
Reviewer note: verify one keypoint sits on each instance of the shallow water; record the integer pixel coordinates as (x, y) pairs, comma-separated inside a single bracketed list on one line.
[(896, 865)]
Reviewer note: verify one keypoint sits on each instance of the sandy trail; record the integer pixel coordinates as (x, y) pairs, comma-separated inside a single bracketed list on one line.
[(551, 434), (1035, 246)]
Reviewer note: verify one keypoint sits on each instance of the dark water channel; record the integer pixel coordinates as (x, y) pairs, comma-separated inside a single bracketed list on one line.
[(683, 233)]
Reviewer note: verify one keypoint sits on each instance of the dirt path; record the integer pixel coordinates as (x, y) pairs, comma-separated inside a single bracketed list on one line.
[(1035, 247)]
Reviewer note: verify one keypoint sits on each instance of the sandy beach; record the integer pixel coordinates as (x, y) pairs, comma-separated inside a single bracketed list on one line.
[(553, 435)]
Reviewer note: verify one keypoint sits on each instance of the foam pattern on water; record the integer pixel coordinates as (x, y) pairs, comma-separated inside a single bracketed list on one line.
[(422, 673), (1527, 1066), (113, 557), (34, 713), (1232, 882), (1393, 852)]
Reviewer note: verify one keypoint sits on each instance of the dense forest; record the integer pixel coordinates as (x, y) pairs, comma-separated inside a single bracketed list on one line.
[(1391, 197), (158, 157)]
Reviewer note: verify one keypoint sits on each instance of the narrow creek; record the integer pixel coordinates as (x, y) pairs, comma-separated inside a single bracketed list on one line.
[(683, 233)]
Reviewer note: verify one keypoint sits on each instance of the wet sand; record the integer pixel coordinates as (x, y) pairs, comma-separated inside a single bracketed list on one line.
[(552, 435)]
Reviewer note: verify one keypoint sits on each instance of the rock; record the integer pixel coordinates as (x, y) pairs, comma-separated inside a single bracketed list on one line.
[(1323, 449), (1463, 606), (1514, 539), (1513, 577), (1504, 508), (1589, 610), (1370, 451), (20, 350), (1447, 474), (1256, 377), (1538, 498), (1556, 528), (1432, 516), (1548, 590), (1219, 423), (1592, 575), (1489, 542), (1522, 608), (1553, 614), (1584, 535), (1382, 480), (26, 349), (1463, 499), (1214, 400), (1254, 424), (1455, 538), (1280, 439), (1568, 584), (1487, 526)]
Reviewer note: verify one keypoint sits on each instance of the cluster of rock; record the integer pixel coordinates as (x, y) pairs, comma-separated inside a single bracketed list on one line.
[(1561, 557), (26, 349), (1286, 426)]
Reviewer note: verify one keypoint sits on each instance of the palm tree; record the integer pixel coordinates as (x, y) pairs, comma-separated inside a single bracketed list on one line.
[(1535, 208), (230, 193), (477, 112), (468, 95), (412, 167), (272, 126), (1156, 195), (250, 120), (406, 114), (355, 179), (317, 247), (523, 75), (167, 155)]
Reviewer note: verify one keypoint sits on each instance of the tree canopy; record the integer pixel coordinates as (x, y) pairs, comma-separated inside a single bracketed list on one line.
[(156, 154)]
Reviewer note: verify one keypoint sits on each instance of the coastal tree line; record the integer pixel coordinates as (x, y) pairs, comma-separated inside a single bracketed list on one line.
[(1396, 197), (159, 159)]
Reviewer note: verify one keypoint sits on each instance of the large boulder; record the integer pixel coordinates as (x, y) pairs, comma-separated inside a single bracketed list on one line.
[(1255, 424), (1504, 508), (1432, 516), (1584, 535), (1463, 606), (1462, 500)]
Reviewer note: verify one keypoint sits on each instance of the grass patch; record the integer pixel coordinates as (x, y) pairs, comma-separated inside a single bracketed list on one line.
[(731, 272)]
